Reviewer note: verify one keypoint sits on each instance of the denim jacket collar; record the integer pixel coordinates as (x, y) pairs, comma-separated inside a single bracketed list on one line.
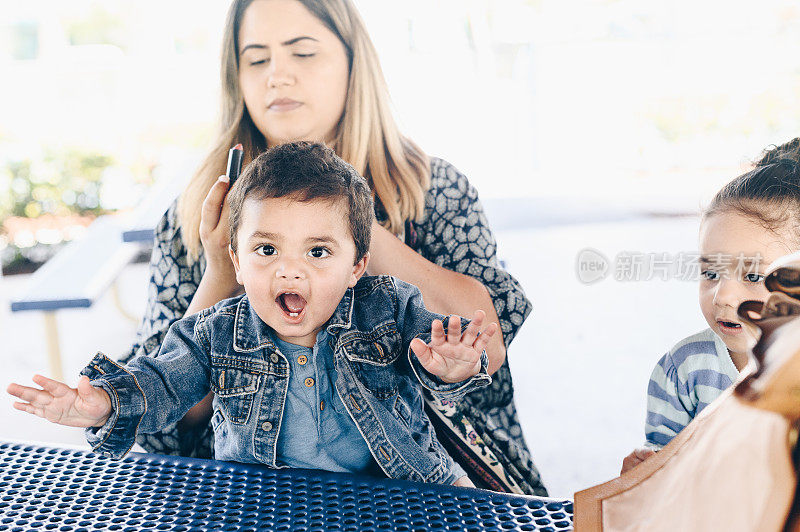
[(249, 332), (342, 317), (252, 334)]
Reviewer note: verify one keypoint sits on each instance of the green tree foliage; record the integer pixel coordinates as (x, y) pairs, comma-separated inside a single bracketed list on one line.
[(60, 183)]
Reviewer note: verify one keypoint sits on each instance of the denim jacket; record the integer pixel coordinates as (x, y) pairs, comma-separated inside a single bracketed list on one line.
[(226, 349)]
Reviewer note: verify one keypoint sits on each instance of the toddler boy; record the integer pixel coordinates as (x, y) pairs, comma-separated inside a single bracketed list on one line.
[(316, 365)]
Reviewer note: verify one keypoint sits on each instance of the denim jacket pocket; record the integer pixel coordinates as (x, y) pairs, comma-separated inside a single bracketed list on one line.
[(235, 387), (372, 356), (380, 347)]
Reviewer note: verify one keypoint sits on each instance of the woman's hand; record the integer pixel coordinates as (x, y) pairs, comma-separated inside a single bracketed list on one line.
[(219, 277), (215, 235), (84, 406)]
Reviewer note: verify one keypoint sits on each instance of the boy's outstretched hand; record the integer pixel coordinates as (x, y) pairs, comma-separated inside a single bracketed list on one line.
[(84, 406), (453, 356)]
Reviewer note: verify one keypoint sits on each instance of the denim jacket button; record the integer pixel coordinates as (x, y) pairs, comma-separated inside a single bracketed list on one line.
[(274, 358), (302, 359), (309, 382), (267, 426)]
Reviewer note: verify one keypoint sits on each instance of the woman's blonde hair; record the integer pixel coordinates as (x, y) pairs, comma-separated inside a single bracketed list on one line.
[(368, 137)]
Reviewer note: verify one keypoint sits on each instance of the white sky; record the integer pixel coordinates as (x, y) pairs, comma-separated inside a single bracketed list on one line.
[(548, 97)]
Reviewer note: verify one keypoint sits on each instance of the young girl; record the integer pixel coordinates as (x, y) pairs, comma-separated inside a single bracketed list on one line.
[(750, 222)]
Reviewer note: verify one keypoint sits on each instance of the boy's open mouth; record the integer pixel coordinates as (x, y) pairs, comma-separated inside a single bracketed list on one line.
[(292, 304)]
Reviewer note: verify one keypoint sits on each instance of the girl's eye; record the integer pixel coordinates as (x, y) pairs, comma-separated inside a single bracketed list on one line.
[(258, 62), (319, 253), (754, 277), (710, 275), (265, 250), (304, 55)]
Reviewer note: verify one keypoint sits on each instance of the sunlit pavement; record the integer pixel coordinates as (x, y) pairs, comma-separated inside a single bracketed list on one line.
[(580, 362)]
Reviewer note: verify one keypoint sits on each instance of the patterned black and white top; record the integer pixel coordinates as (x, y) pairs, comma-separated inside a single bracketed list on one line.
[(453, 233)]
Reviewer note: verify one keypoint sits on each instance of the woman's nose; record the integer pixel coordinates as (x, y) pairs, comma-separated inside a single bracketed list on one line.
[(280, 74)]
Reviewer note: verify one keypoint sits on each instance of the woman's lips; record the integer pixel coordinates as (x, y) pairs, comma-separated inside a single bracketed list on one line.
[(283, 105)]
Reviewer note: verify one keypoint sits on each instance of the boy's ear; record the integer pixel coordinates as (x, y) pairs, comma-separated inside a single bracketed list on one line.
[(358, 269), (235, 261)]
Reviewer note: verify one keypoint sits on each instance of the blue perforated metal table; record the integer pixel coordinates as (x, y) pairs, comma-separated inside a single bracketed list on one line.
[(46, 488)]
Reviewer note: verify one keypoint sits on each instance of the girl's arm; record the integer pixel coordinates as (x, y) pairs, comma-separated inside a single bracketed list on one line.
[(667, 413)]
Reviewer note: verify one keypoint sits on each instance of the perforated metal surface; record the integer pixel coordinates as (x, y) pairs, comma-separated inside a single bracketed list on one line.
[(44, 488)]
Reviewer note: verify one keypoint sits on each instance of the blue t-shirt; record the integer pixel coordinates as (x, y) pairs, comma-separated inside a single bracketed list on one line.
[(316, 430)]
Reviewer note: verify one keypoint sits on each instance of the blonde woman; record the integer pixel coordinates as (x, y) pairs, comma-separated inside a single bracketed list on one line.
[(307, 70)]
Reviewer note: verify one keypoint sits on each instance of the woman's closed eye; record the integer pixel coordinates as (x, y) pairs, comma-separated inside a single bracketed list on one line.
[(255, 57), (319, 252), (267, 250)]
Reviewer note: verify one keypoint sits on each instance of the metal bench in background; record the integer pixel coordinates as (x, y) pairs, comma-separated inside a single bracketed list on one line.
[(76, 278), (79, 275)]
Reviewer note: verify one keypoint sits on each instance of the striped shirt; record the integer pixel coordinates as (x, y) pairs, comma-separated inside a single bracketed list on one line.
[(689, 377)]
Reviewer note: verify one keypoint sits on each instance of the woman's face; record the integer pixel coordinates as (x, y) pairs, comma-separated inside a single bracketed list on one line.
[(293, 72)]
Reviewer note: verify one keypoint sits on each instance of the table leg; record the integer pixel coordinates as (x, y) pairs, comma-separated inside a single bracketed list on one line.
[(53, 349), (118, 303)]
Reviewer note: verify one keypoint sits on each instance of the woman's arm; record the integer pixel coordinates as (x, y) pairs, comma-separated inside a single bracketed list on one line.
[(452, 259), (443, 291)]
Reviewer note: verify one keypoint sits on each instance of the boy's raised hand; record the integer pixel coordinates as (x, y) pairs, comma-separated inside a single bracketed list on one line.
[(453, 356), (84, 406)]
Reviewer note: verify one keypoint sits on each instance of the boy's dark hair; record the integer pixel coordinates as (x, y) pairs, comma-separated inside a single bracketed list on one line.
[(305, 171), (769, 194)]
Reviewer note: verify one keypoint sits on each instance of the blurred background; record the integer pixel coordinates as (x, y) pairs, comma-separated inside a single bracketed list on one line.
[(605, 123)]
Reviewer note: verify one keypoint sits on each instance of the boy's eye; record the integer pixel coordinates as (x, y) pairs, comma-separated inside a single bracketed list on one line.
[(319, 252), (753, 277), (265, 250), (710, 275)]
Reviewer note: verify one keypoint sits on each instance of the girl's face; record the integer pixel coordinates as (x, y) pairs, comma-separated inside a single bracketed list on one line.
[(293, 72), (735, 251)]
